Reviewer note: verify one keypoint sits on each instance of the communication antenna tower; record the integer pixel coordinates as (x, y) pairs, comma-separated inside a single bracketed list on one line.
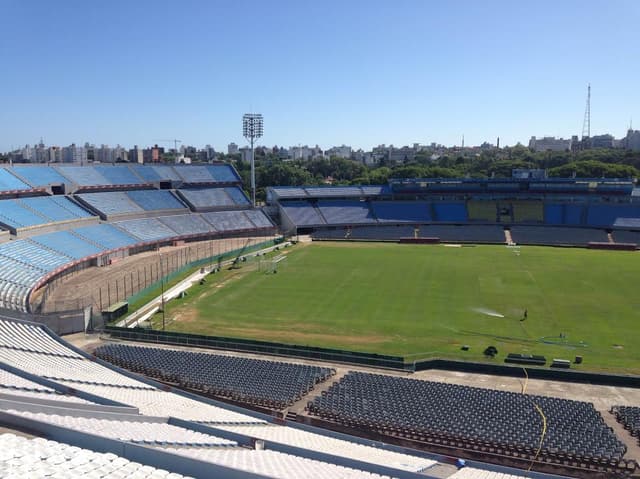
[(586, 124)]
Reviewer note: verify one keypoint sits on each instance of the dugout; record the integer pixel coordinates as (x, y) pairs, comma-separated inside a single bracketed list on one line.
[(115, 311)]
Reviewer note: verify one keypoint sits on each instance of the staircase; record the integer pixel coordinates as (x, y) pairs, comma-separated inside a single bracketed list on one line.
[(508, 238)]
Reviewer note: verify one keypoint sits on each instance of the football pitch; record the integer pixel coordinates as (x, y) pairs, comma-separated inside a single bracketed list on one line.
[(423, 301)]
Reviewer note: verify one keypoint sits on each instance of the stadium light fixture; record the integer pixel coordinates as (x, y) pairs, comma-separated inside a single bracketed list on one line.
[(252, 129)]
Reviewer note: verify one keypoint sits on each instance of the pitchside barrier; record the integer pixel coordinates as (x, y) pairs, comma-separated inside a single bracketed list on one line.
[(366, 359)]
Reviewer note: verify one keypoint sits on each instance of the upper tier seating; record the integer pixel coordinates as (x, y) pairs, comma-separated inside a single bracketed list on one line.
[(426, 410), (194, 174), (118, 175), (9, 182), (302, 213), (345, 211), (39, 210), (214, 197), (223, 173), (84, 176), (546, 235), (39, 176), (111, 203), (402, 211), (240, 379)]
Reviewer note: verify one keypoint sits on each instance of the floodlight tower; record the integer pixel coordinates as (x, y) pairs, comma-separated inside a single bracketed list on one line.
[(252, 127)]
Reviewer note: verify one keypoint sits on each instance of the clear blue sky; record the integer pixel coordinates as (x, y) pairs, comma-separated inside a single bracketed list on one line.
[(360, 72)]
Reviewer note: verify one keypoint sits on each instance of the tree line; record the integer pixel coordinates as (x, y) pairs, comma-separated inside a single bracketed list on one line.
[(596, 163)]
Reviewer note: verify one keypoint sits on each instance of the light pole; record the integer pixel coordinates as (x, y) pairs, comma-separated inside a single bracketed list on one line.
[(252, 127)]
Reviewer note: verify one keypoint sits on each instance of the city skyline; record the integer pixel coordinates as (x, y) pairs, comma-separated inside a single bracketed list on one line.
[(361, 74)]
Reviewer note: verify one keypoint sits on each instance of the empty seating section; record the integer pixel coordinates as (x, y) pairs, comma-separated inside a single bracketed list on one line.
[(345, 211), (454, 414), (450, 212), (107, 236), (606, 215), (33, 254), (622, 236), (19, 386), (402, 211), (329, 445), (208, 198), (67, 242), (194, 174), (333, 191), (83, 176), (186, 224), (15, 214), (290, 192), (146, 229), (258, 218), (237, 195), (573, 214), (111, 203), (302, 213), (465, 234), (150, 200), (166, 172), (25, 212), (28, 337), (557, 235), (629, 417), (480, 210), (9, 182), (148, 173), (633, 223), (153, 402), (236, 378), (228, 220), (118, 175), (76, 371), (273, 464), (223, 173), (39, 458), (553, 214), (527, 211), (136, 430), (39, 176)]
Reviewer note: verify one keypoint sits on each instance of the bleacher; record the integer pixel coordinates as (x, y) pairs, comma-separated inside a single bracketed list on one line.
[(239, 379), (115, 203), (120, 410), (9, 182), (146, 229), (84, 176), (156, 200), (65, 241), (482, 210), (629, 417), (185, 225), (105, 235), (557, 235), (346, 211), (402, 211), (118, 175), (624, 236), (450, 212), (465, 234), (228, 221), (218, 198), (302, 213), (461, 415), (527, 211), (37, 211), (40, 176)]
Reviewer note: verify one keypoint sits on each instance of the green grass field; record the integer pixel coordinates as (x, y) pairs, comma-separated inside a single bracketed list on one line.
[(427, 301)]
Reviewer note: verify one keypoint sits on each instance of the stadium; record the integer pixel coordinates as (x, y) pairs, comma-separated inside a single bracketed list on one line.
[(153, 323)]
